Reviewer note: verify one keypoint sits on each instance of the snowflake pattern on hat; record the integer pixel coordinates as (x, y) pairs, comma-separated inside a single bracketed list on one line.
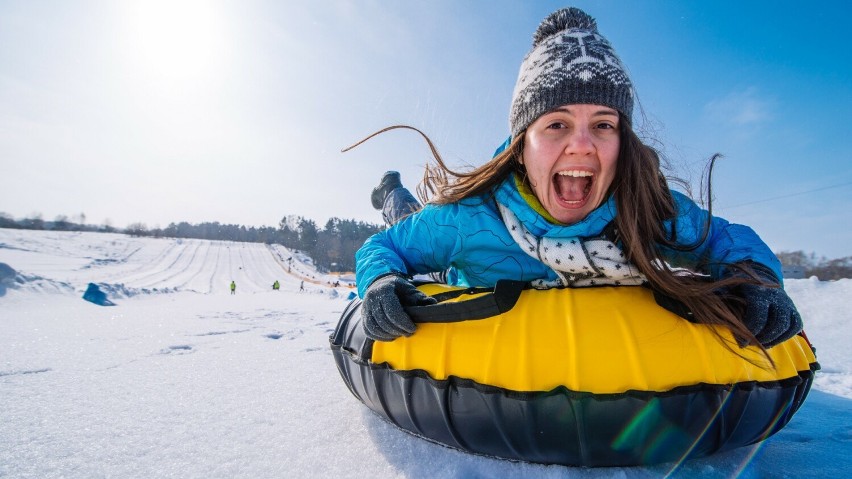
[(570, 63)]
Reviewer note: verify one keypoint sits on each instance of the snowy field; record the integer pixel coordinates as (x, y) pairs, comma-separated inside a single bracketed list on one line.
[(183, 379)]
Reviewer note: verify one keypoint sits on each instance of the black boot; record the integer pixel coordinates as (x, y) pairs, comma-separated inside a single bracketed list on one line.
[(390, 181)]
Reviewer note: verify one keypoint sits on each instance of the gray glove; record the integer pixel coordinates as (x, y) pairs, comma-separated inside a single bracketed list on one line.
[(382, 311), (769, 313)]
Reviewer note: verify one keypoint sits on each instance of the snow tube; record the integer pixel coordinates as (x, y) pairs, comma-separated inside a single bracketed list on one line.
[(598, 376)]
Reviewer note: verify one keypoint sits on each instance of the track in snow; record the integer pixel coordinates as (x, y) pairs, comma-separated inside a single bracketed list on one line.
[(133, 264)]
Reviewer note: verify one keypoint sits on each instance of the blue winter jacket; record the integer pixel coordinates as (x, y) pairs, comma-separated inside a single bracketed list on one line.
[(470, 239)]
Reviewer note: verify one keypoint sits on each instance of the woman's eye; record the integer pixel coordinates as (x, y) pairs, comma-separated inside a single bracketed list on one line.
[(605, 126), (556, 126)]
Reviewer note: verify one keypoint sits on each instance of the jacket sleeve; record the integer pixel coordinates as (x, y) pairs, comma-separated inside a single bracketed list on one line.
[(421, 243), (725, 243)]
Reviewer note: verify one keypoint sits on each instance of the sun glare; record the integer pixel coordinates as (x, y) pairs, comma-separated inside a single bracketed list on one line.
[(174, 42)]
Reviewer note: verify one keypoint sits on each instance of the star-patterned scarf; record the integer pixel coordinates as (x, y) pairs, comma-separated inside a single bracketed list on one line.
[(576, 262)]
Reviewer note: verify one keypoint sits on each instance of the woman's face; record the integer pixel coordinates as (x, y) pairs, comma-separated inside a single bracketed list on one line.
[(570, 155)]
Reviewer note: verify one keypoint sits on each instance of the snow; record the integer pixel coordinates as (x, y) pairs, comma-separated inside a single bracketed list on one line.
[(183, 379)]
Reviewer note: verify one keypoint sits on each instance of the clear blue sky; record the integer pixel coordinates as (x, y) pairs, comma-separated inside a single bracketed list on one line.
[(165, 111)]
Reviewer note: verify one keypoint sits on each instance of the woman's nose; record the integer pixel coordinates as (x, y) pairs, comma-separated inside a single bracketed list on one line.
[(580, 143)]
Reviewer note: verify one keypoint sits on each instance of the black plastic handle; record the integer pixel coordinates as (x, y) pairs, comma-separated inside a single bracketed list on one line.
[(500, 300)]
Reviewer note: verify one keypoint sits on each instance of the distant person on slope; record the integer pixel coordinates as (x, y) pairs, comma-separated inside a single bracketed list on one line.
[(233, 287)]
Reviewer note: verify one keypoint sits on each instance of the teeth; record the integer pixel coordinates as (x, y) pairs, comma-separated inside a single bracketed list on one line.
[(575, 173)]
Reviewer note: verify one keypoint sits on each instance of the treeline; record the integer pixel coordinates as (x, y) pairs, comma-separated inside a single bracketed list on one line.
[(331, 247), (61, 223), (823, 268)]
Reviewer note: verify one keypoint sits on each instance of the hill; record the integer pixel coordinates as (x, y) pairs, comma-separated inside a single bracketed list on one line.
[(181, 378)]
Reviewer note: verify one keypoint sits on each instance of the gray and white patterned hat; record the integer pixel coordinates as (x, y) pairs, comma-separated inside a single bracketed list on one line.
[(570, 63)]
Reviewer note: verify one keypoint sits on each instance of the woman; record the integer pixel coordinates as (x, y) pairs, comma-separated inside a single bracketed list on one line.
[(575, 199)]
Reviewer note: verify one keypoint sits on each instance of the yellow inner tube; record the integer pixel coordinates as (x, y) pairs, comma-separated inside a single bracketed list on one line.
[(599, 340)]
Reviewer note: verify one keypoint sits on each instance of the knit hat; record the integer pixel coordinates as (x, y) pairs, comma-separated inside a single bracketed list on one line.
[(570, 63)]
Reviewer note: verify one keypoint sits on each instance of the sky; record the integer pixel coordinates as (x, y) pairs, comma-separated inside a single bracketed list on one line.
[(182, 379), (166, 111)]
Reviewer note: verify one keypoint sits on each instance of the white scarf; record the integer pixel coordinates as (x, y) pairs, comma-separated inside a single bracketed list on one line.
[(576, 262)]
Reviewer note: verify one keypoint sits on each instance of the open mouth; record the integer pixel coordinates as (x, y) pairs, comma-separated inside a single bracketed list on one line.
[(573, 186)]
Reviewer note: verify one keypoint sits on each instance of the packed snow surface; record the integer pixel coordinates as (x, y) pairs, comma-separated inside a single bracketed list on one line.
[(183, 379)]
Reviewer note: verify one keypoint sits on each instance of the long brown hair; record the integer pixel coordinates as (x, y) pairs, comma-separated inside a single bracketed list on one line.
[(645, 206)]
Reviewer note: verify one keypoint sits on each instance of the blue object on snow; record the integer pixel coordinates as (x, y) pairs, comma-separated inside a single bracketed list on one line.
[(351, 296), (7, 277), (94, 294)]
